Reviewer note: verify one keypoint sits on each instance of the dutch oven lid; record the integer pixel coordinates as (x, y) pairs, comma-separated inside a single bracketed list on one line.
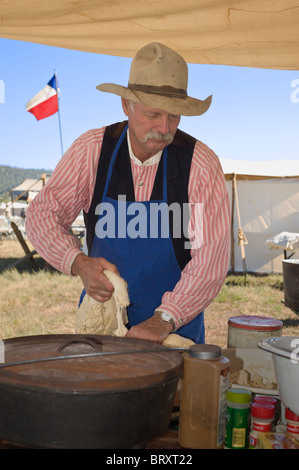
[(112, 364)]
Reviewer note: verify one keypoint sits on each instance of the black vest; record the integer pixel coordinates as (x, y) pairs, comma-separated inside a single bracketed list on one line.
[(180, 153)]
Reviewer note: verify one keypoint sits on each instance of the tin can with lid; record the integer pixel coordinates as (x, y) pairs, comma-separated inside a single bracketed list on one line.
[(245, 331)]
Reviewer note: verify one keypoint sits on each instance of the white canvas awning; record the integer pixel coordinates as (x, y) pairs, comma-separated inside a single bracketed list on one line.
[(251, 33), (29, 185), (29, 188), (259, 169)]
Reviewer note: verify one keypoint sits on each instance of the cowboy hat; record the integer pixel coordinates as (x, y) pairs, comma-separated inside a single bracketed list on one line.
[(158, 78)]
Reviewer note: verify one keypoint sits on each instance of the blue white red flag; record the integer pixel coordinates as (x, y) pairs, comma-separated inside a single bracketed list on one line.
[(45, 102)]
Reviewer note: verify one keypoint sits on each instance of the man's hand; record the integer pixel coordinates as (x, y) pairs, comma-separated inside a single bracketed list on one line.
[(153, 329), (91, 271)]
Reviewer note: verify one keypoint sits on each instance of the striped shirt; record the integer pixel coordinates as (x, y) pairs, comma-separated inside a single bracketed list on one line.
[(70, 189)]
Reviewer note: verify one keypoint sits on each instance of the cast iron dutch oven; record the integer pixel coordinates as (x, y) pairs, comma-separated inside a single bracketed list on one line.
[(113, 393)]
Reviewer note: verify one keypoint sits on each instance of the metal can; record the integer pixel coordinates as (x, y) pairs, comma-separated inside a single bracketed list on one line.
[(245, 331)]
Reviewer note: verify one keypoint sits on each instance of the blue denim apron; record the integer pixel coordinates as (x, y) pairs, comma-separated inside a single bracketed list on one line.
[(148, 264)]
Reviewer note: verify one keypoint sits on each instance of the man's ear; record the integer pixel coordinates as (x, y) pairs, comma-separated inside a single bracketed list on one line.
[(126, 105)]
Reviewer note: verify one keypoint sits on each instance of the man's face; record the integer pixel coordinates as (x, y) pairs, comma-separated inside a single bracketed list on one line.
[(151, 129)]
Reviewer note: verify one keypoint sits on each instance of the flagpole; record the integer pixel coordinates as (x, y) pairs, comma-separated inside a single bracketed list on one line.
[(59, 122)]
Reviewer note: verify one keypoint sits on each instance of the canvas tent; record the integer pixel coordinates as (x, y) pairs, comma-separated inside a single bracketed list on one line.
[(14, 210), (251, 33), (29, 184), (29, 188), (268, 197)]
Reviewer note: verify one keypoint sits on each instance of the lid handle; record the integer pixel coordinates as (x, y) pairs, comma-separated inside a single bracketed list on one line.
[(88, 341)]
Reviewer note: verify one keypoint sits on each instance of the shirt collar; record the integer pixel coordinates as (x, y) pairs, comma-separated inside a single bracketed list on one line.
[(151, 161)]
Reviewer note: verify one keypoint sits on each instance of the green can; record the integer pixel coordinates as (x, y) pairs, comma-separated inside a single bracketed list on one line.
[(238, 414)]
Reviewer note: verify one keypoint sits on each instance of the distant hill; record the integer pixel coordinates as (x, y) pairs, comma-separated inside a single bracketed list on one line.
[(12, 176)]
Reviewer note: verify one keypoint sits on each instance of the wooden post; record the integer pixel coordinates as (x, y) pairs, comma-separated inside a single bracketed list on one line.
[(241, 236), (29, 254), (232, 238)]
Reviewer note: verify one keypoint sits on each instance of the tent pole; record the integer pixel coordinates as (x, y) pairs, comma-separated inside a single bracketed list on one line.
[(232, 238), (241, 236), (59, 122)]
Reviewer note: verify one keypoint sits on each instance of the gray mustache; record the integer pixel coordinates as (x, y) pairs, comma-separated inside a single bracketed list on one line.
[(158, 135)]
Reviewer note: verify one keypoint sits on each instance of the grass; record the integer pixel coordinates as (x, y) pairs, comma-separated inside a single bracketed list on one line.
[(35, 302), (45, 301), (262, 295)]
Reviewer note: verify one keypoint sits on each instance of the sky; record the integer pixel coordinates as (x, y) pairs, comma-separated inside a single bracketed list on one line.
[(254, 114)]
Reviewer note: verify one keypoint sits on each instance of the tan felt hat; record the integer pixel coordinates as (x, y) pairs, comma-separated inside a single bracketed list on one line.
[(159, 78)]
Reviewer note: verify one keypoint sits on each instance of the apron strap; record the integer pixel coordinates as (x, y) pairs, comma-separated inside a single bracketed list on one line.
[(165, 155), (120, 141)]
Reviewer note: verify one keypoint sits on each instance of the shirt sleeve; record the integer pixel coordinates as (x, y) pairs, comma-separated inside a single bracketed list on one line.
[(68, 191), (209, 230)]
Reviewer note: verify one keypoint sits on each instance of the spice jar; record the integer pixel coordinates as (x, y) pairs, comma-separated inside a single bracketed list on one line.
[(272, 401), (262, 417), (264, 399), (238, 407), (203, 402), (292, 423)]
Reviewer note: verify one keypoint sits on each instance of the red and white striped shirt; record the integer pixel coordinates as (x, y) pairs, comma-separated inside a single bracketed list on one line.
[(70, 189)]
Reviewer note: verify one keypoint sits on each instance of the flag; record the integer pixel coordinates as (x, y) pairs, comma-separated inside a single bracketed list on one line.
[(45, 102)]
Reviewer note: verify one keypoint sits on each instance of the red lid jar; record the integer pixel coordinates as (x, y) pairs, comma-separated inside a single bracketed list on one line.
[(264, 399), (263, 411), (262, 416), (245, 331), (292, 423)]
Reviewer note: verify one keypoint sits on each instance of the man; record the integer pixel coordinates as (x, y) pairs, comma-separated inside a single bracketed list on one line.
[(146, 160)]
